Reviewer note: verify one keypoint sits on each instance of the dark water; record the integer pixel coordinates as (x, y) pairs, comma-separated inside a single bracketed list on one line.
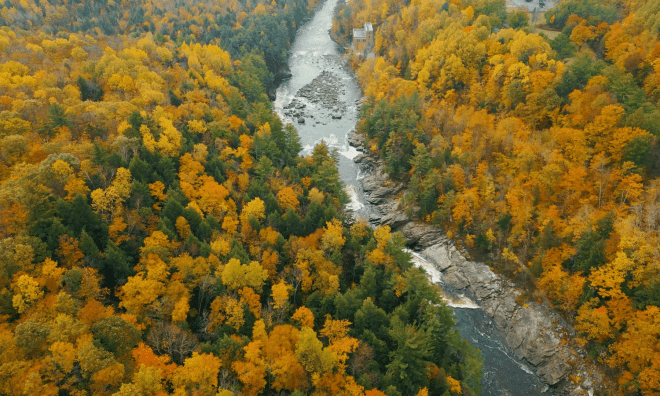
[(322, 82)]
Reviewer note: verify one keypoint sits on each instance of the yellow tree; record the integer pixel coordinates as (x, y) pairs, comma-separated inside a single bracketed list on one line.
[(107, 201), (236, 275), (198, 375), (287, 198)]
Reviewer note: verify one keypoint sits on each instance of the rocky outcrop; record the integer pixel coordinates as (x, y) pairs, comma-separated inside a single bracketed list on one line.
[(420, 235), (533, 332), (377, 185), (530, 331), (394, 219), (356, 140)]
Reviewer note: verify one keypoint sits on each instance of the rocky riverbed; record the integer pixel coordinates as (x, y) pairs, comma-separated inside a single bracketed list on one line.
[(324, 96), (315, 64), (535, 335)]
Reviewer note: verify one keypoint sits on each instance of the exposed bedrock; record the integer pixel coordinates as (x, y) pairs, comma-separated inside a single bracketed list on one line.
[(533, 332)]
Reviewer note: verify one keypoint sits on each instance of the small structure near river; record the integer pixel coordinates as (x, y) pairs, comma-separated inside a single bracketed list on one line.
[(363, 39)]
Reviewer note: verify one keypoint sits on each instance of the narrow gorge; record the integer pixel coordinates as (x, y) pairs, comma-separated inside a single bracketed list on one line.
[(521, 346)]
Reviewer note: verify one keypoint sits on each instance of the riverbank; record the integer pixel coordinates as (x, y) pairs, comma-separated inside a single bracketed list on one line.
[(535, 334), (307, 94)]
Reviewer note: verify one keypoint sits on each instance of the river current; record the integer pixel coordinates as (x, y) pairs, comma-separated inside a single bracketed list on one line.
[(322, 100)]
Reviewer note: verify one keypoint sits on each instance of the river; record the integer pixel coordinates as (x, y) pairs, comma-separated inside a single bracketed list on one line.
[(322, 89)]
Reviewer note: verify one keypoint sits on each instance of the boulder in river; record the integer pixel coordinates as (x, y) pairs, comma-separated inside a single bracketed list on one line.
[(356, 140), (301, 120)]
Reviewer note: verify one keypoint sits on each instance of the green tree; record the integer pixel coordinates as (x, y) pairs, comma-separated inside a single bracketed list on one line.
[(78, 215), (563, 46), (56, 119), (31, 336), (116, 265), (591, 245), (639, 151), (577, 75), (518, 19), (116, 335), (89, 90), (407, 367)]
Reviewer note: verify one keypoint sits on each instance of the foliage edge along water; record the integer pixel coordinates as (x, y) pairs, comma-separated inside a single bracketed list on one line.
[(323, 98), (160, 234), (535, 145)]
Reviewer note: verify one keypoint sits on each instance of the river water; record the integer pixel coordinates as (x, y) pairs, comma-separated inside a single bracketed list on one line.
[(322, 89)]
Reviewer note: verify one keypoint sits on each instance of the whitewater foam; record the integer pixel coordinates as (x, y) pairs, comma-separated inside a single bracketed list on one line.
[(460, 301), (331, 140), (360, 175), (435, 276), (355, 204), (308, 149), (350, 152)]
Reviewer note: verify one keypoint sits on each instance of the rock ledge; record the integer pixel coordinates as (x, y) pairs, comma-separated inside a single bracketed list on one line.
[(533, 332)]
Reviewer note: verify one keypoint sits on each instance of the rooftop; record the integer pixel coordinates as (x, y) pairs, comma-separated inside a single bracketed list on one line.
[(359, 33), (368, 27)]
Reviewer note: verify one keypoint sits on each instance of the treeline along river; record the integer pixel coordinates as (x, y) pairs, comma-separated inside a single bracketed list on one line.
[(322, 99)]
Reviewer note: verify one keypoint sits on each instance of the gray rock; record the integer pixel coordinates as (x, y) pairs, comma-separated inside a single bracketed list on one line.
[(455, 279), (374, 200), (372, 182), (394, 219), (379, 194), (557, 367), (439, 255), (301, 120), (483, 282), (421, 234), (578, 392), (374, 218), (363, 159), (356, 139)]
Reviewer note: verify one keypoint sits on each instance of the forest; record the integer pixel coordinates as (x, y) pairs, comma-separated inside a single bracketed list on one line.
[(160, 234), (537, 149)]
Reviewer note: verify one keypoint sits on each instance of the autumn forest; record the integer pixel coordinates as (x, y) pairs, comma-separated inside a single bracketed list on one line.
[(535, 148), (160, 233)]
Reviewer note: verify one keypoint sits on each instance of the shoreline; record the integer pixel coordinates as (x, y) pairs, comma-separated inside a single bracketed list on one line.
[(536, 335)]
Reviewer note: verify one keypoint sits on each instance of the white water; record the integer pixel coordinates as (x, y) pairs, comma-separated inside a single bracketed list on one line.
[(435, 276), (355, 204), (349, 152)]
